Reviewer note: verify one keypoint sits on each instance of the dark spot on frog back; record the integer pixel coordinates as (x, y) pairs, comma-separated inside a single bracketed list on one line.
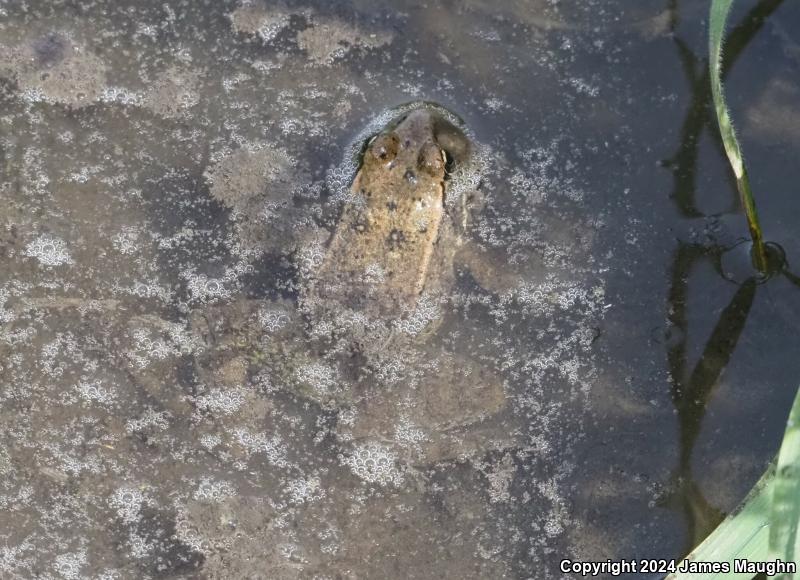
[(361, 225), (396, 239)]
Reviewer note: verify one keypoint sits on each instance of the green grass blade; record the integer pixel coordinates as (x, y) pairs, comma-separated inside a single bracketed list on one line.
[(743, 535), (785, 516), (765, 525), (716, 36)]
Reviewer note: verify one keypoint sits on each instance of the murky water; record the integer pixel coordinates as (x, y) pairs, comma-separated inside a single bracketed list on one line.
[(171, 175)]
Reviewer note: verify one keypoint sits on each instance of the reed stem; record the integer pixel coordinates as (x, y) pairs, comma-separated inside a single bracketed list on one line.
[(716, 36)]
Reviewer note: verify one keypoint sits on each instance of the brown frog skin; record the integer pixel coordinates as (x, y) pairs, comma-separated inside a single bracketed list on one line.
[(395, 237), (396, 242)]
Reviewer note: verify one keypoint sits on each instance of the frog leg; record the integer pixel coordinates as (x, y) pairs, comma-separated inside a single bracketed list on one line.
[(490, 269), (448, 406)]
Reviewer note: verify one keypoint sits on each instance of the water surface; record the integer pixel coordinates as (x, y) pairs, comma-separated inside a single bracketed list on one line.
[(170, 172)]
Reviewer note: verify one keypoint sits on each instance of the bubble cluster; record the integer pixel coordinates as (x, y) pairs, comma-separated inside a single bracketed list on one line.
[(121, 96), (272, 319), (542, 176), (255, 18), (547, 298), (500, 477), (202, 288), (222, 401), (302, 490), (209, 441), (310, 257), (390, 370), (468, 173), (147, 349), (125, 241), (321, 377), (139, 546), (49, 250), (374, 274), (128, 503), (273, 447), (582, 86), (70, 565), (54, 353), (6, 314), (154, 339), (374, 463), (17, 557), (147, 289), (96, 392), (427, 311), (210, 490), (149, 421), (406, 432)]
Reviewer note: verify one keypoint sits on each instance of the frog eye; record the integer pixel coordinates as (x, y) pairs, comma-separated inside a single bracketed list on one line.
[(384, 147), (431, 159)]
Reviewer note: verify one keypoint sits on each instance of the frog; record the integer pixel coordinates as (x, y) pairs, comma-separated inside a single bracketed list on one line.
[(364, 338), (400, 239), (395, 236)]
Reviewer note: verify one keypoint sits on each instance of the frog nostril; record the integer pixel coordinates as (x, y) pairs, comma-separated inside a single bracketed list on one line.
[(432, 160), (411, 177), (384, 147)]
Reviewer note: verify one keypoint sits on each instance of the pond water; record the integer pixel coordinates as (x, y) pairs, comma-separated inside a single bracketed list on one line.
[(591, 373)]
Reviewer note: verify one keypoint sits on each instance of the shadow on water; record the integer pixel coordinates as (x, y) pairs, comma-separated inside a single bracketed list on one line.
[(700, 113), (693, 390)]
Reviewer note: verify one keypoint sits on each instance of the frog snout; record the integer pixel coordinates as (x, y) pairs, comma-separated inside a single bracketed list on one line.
[(431, 159)]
